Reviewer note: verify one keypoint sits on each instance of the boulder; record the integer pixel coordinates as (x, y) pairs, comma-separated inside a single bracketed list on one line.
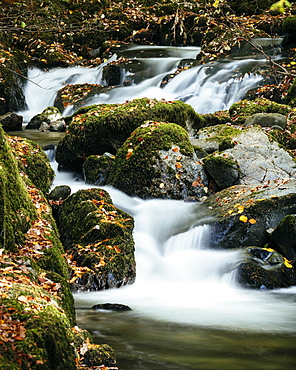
[(267, 120), (249, 153), (98, 238), (243, 213), (104, 128), (49, 120), (60, 192), (158, 161), (11, 122)]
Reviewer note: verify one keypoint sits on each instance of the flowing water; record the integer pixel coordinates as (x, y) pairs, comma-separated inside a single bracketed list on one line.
[(187, 310)]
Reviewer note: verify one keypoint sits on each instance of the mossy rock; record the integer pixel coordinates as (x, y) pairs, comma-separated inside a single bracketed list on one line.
[(16, 208), (240, 111), (217, 118), (223, 169), (98, 355), (13, 65), (156, 161), (291, 94), (104, 128), (289, 27), (33, 161), (96, 169), (98, 237), (77, 95)]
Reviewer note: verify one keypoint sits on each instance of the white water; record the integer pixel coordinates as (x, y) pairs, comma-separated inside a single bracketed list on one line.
[(180, 280), (207, 88)]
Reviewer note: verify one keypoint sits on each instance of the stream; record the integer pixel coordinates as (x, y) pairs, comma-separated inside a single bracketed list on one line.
[(187, 310)]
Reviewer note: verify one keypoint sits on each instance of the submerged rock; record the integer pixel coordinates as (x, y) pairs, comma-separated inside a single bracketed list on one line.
[(111, 307), (158, 161)]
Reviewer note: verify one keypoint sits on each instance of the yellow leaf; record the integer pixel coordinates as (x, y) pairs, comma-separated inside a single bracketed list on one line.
[(161, 185), (243, 219), (240, 209), (231, 211), (287, 263)]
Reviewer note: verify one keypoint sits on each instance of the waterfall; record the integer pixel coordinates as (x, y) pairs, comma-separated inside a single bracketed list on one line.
[(179, 279), (207, 88)]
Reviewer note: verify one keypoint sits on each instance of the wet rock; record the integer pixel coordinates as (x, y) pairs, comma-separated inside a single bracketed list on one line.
[(112, 74), (243, 213), (158, 161), (267, 120), (96, 169), (11, 122), (60, 192), (111, 307), (265, 269), (49, 120), (283, 238)]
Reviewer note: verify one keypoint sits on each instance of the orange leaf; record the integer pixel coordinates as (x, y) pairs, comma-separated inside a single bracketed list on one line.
[(252, 221)]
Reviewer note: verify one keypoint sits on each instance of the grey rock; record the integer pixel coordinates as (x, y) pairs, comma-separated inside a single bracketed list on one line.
[(267, 120)]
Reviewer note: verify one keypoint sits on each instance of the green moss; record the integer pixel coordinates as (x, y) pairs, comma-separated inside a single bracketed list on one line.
[(104, 128), (33, 161), (98, 237), (240, 111), (17, 211), (134, 170)]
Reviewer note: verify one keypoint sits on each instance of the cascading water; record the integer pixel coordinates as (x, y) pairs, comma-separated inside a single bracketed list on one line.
[(207, 88), (188, 311)]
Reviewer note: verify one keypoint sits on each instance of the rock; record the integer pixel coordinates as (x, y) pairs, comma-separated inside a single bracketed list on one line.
[(283, 238), (253, 155), (241, 110), (264, 269), (77, 95), (99, 355), (96, 169), (243, 213), (223, 169), (60, 192), (49, 120), (111, 307), (267, 120), (260, 159), (158, 161), (33, 162), (112, 74), (104, 128), (99, 238), (11, 122)]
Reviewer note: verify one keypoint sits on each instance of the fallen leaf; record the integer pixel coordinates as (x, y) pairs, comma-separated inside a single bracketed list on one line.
[(243, 219)]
